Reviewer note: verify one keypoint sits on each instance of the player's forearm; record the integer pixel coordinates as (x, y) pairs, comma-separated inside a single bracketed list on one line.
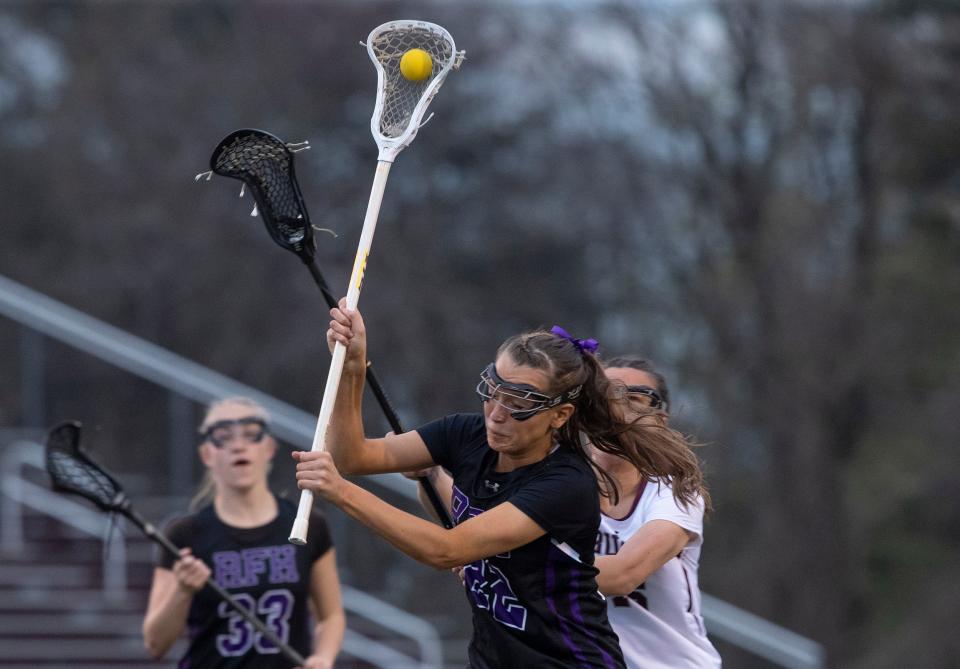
[(615, 579), (164, 624), (650, 549), (328, 637), (418, 538), (345, 434)]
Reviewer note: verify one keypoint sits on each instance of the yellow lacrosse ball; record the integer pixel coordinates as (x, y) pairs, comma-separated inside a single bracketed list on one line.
[(416, 65)]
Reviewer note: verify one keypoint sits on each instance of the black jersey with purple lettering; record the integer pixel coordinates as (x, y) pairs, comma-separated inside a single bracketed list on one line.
[(263, 571), (536, 605)]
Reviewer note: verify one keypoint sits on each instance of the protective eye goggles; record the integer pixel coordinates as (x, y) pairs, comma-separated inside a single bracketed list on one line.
[(644, 395), (222, 432), (521, 400)]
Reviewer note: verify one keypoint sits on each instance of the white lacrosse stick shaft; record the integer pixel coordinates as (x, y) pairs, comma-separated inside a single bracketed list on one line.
[(298, 535)]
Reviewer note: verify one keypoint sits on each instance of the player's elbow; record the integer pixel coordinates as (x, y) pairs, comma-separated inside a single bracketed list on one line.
[(354, 458), (443, 555), (445, 562), (348, 461), (346, 467)]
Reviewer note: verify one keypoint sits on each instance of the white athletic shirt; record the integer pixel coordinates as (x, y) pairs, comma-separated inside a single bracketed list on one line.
[(659, 623)]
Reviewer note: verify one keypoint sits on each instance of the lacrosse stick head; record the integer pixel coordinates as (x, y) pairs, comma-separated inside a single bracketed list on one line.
[(401, 102), (72, 471), (265, 164)]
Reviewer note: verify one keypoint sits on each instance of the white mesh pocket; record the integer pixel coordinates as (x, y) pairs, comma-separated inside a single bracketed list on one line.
[(400, 95), (401, 103)]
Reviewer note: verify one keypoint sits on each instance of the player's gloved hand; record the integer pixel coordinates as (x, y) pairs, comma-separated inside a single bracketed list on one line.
[(191, 572)]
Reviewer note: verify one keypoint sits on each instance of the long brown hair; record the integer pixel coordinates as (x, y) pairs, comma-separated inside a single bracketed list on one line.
[(643, 439)]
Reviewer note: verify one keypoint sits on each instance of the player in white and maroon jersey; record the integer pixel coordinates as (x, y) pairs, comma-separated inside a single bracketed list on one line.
[(648, 549)]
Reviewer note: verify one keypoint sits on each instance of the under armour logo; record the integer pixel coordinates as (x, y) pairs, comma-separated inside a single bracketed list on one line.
[(492, 485)]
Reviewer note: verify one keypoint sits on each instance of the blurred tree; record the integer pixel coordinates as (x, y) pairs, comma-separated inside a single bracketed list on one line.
[(780, 176), (762, 196)]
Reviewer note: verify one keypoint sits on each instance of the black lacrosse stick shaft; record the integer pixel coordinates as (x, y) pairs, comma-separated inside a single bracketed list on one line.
[(148, 529), (439, 508), (265, 164)]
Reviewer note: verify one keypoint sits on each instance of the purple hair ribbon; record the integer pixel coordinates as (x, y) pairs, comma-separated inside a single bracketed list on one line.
[(583, 345)]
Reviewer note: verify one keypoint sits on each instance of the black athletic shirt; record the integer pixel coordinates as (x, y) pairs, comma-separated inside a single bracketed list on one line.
[(262, 569), (537, 605)]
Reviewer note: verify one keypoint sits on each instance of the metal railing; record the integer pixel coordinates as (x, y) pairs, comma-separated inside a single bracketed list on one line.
[(18, 492), (160, 366), (189, 379), (760, 636), (396, 620)]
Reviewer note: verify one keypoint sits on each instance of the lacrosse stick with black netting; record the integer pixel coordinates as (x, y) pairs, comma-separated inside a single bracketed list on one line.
[(265, 164), (401, 104), (72, 471)]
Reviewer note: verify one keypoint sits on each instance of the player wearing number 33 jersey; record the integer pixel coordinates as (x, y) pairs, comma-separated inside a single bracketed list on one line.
[(264, 571), (238, 538)]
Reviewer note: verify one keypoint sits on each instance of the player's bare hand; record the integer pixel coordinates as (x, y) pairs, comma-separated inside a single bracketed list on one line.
[(191, 572), (317, 473), (347, 328)]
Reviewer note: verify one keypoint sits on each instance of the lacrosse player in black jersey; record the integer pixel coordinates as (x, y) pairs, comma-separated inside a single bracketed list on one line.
[(239, 538), (525, 492), (648, 546)]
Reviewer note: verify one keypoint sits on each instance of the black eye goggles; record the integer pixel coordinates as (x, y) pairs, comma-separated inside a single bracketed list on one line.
[(521, 400), (651, 397), (219, 433)]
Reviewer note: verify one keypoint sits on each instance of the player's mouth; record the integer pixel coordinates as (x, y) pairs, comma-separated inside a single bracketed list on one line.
[(496, 436), (241, 462)]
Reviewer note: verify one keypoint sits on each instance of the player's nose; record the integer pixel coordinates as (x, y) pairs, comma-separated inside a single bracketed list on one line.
[(498, 413)]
